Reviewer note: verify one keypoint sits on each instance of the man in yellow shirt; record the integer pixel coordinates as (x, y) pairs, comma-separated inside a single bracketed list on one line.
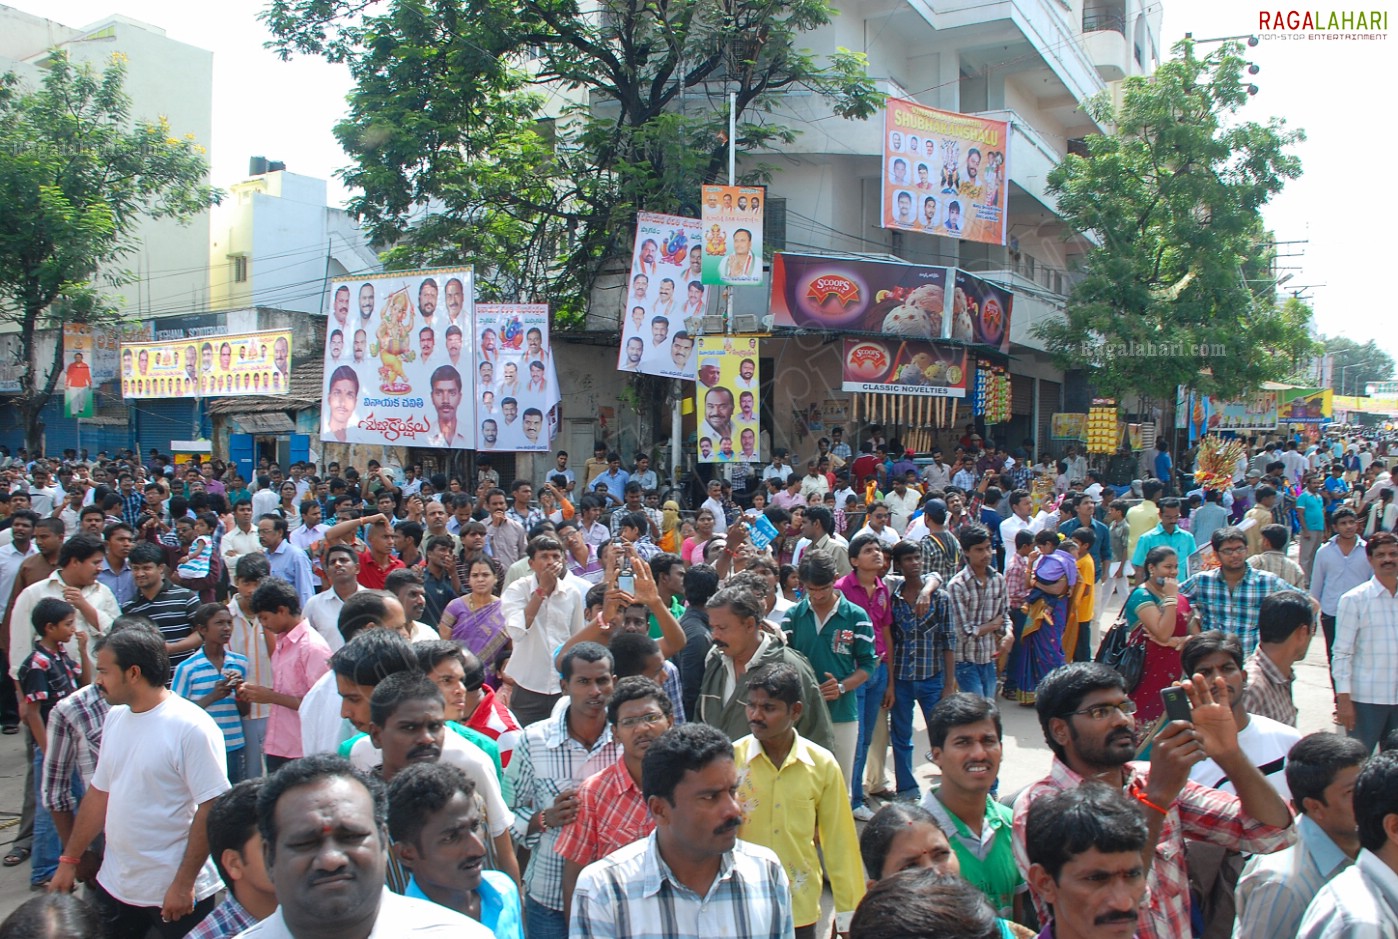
[(790, 788), (1145, 515)]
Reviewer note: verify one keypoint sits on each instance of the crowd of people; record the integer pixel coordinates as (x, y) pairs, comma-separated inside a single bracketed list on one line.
[(334, 703)]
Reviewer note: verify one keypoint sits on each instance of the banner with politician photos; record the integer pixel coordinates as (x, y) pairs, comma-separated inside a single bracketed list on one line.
[(216, 366), (396, 369), (665, 302), (516, 385), (727, 400), (732, 225)]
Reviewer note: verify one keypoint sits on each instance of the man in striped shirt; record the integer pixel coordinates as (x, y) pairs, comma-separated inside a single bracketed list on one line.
[(1275, 889), (170, 608)]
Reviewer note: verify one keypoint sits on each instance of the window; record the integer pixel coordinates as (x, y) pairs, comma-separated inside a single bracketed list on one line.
[(240, 269)]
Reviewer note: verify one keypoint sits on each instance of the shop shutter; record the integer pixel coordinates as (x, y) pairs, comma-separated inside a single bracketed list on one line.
[(1050, 401), (1021, 396)]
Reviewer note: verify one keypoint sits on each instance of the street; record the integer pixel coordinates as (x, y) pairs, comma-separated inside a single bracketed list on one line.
[(1026, 756)]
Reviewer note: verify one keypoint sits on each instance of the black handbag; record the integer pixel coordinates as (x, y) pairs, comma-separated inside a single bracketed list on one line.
[(1124, 649)]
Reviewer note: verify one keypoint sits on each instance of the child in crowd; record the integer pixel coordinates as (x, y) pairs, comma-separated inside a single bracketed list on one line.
[(47, 676), (195, 564), (210, 678), (1082, 606)]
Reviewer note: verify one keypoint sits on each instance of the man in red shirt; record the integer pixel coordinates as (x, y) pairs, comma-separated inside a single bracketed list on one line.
[(612, 811), (865, 465), (378, 562)]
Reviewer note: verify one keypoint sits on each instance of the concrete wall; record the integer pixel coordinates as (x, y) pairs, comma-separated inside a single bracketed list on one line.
[(280, 224), (164, 78)]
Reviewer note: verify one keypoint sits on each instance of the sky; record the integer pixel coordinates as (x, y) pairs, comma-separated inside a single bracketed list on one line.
[(1334, 90)]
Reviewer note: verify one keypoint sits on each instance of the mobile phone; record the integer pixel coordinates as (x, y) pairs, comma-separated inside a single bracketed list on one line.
[(1176, 704)]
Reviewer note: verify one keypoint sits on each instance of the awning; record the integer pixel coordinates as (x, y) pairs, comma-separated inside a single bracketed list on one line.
[(265, 422)]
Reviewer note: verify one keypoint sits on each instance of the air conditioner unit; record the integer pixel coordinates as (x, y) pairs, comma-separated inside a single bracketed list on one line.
[(713, 325)]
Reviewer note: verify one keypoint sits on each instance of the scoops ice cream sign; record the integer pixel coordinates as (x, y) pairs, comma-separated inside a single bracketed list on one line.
[(893, 366), (866, 362)]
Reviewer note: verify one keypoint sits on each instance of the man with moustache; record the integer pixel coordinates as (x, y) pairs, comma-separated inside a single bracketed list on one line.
[(635, 351), (427, 343), (456, 299), (681, 347), (490, 433), (689, 782), (1087, 721), (427, 298), (573, 742), (665, 301), (446, 399), (1085, 846), (342, 301), (612, 813), (366, 301), (323, 834), (734, 614), (454, 344), (435, 827), (533, 426), (795, 788), (361, 345)]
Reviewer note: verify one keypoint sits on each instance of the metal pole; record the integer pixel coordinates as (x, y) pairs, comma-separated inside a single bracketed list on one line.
[(676, 431), (732, 181)]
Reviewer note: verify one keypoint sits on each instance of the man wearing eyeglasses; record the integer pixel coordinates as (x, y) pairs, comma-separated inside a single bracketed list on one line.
[(1088, 723), (612, 812), (1228, 597), (877, 525)]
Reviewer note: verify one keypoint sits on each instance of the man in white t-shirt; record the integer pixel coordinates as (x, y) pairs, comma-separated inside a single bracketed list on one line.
[(163, 765), (1264, 741)]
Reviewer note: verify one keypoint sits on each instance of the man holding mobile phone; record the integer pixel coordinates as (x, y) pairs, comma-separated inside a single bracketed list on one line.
[(1089, 724)]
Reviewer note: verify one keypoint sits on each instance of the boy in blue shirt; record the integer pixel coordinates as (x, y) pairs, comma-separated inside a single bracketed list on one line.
[(210, 678)]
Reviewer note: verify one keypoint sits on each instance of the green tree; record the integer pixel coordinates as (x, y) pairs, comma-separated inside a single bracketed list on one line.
[(524, 135), (77, 175), (1172, 197), (1353, 364)]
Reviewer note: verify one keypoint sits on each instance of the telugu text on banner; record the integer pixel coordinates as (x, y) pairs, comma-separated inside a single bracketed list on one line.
[(732, 223), (391, 339), (945, 173)]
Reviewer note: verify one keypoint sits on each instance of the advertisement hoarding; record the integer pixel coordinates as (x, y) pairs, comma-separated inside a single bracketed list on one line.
[(387, 337), (727, 400), (663, 312), (221, 366), (907, 367), (945, 173), (889, 298)]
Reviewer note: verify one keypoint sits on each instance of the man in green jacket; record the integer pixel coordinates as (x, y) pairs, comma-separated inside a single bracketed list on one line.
[(740, 644), (837, 638)]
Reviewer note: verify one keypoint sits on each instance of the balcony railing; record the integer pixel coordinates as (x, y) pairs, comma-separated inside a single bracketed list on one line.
[(1103, 21)]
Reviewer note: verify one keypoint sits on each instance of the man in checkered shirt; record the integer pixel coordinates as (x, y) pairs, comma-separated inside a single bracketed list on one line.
[(692, 876), (1088, 724)]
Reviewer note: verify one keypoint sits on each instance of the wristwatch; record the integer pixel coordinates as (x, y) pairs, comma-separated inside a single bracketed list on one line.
[(840, 686)]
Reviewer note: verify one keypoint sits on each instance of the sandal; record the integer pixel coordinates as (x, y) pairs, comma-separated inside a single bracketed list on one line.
[(18, 856)]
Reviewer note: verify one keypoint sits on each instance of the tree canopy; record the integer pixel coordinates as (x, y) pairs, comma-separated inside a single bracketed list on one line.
[(523, 136), (1354, 364), (1178, 288), (77, 175)]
